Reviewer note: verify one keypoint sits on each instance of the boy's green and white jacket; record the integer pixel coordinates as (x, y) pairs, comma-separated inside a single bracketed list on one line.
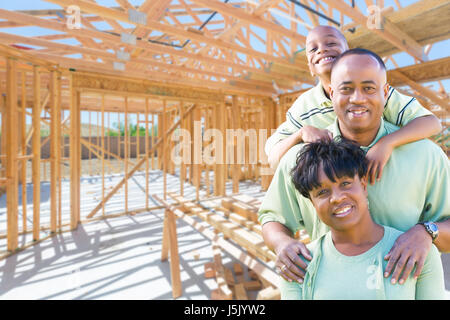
[(313, 108)]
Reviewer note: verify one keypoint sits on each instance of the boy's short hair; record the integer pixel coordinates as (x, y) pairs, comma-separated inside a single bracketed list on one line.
[(358, 51), (337, 158)]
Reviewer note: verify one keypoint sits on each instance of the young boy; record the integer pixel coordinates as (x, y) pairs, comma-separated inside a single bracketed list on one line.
[(313, 111)]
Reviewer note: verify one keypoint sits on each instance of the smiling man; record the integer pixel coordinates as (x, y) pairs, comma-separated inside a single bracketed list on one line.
[(312, 112), (412, 195)]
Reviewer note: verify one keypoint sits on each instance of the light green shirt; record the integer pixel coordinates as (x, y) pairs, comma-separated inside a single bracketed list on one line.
[(313, 108), (414, 187), (332, 275)]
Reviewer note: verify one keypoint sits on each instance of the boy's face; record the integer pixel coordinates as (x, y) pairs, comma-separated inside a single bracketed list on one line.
[(323, 45), (358, 92)]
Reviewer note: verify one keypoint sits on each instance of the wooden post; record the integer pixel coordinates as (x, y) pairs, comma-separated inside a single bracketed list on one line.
[(182, 164), (109, 138), (103, 150), (59, 137), (219, 115), (138, 134), (126, 151), (75, 155), (36, 146), (197, 166), (207, 179), (54, 151), (136, 167), (23, 179), (165, 239), (236, 124), (11, 155), (119, 137), (90, 142), (152, 139), (160, 136), (174, 257), (163, 157), (146, 153)]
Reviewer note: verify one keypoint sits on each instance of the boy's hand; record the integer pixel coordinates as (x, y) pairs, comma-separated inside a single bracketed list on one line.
[(312, 134), (378, 156)]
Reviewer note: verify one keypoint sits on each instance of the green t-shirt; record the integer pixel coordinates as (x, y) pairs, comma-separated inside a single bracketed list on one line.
[(313, 108), (414, 187), (332, 275)]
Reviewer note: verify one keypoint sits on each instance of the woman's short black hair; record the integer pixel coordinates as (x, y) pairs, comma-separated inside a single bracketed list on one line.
[(337, 158)]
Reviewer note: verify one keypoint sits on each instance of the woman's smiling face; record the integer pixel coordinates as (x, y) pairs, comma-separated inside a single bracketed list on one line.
[(340, 204)]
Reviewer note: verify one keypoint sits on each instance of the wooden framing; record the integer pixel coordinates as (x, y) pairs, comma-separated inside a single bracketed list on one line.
[(241, 70), (11, 119)]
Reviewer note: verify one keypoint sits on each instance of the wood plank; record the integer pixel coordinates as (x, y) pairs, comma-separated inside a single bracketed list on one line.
[(222, 284), (253, 19), (262, 270), (430, 94), (54, 151), (269, 293), (11, 118), (36, 149), (390, 32), (240, 291), (253, 285), (210, 272), (109, 13), (174, 255), (136, 167)]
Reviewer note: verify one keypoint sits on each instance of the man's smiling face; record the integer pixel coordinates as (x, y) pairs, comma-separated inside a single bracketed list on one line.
[(323, 45), (358, 92)]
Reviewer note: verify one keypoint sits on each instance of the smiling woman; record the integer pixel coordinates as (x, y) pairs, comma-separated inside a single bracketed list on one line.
[(347, 262)]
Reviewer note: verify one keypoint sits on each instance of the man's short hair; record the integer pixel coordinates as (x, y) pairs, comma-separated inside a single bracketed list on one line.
[(342, 158), (358, 51)]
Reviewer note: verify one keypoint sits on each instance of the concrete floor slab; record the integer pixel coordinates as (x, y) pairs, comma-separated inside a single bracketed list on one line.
[(117, 258)]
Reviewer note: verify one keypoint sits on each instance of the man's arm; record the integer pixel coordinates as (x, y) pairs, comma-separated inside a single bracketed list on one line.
[(279, 239), (442, 242), (412, 247)]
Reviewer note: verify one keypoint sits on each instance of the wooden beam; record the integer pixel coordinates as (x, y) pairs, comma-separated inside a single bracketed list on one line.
[(253, 19), (75, 154), (11, 118), (136, 167), (389, 31), (231, 86), (430, 94), (142, 62), (174, 255), (36, 146), (109, 13), (55, 134), (432, 70), (114, 40), (236, 252)]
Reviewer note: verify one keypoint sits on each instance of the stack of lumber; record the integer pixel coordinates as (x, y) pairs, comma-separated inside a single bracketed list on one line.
[(236, 218), (232, 282)]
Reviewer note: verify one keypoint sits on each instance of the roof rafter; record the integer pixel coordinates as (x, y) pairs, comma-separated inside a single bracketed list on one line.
[(121, 16)]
